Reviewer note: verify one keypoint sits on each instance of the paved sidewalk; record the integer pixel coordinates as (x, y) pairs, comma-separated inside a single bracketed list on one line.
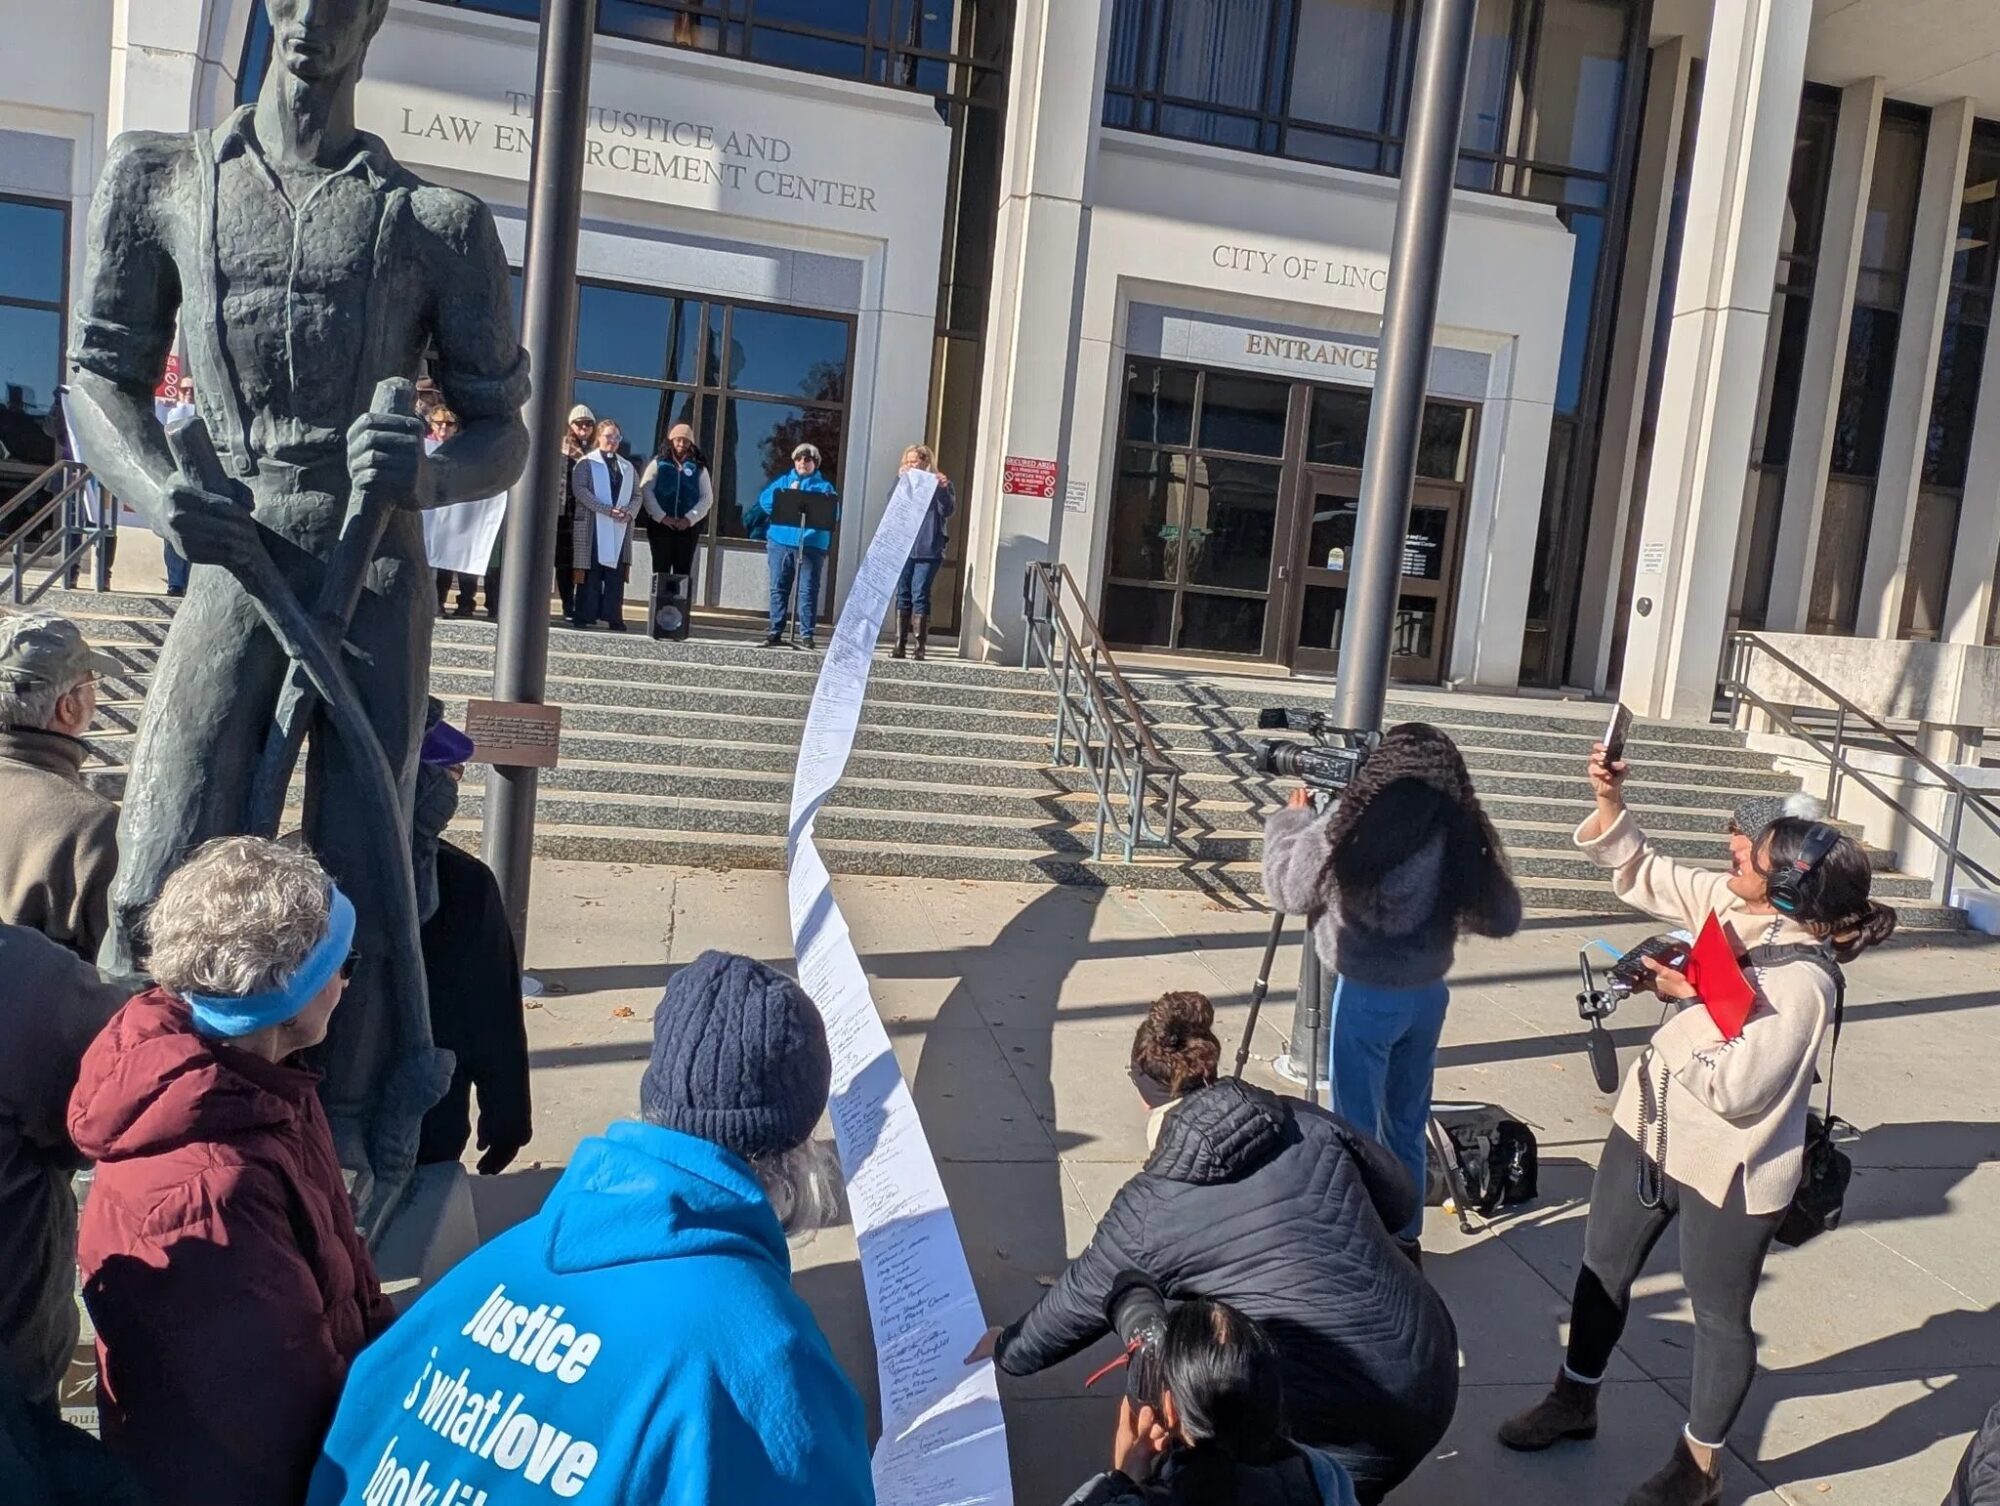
[(1012, 1010)]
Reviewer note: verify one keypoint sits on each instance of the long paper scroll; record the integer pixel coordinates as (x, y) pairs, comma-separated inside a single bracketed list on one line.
[(943, 1442)]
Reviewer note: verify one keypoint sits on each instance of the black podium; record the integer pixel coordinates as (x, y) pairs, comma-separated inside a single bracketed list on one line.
[(795, 507)]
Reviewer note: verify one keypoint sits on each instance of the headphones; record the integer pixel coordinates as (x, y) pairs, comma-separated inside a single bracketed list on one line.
[(1786, 890)]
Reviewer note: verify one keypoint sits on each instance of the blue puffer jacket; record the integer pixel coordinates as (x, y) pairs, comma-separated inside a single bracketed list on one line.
[(636, 1341), (757, 518)]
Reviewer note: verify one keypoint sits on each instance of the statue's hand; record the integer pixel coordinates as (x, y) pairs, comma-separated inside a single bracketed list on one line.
[(385, 452), (210, 529)]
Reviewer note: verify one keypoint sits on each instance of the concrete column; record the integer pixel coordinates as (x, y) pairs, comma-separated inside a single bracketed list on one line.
[(1845, 224), (1631, 359), (173, 62), (1036, 304), (1968, 601), (1722, 307), (1933, 248)]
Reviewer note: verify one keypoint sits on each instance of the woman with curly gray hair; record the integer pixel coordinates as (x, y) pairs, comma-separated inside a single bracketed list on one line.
[(220, 1261)]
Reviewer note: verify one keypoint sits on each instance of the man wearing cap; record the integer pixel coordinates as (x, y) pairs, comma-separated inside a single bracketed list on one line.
[(644, 1320), (790, 549), (59, 842)]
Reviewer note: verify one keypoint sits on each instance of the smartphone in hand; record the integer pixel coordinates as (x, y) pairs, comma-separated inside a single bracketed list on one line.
[(1615, 733)]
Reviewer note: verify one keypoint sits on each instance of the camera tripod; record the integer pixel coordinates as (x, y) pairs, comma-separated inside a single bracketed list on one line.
[(1312, 998)]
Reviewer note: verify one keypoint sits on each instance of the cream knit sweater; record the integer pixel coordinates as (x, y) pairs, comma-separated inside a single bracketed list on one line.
[(1731, 1105)]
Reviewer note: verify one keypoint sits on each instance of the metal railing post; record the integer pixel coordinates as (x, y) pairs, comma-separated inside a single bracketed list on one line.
[(1833, 764), (1951, 850), (1062, 704), (107, 531)]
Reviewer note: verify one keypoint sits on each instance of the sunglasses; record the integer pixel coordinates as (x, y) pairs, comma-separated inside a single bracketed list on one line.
[(347, 966)]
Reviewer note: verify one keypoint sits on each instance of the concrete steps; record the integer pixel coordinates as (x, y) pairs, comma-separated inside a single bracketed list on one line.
[(683, 754)]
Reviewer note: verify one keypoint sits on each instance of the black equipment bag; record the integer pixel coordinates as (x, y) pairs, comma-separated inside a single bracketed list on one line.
[(1495, 1152), (1822, 1195)]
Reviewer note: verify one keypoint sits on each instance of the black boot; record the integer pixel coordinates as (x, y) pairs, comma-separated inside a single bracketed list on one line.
[(1568, 1411), (1682, 1482), (921, 626), (902, 636)]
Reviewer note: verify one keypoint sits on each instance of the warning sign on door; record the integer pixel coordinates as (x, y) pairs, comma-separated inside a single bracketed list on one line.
[(1021, 476)]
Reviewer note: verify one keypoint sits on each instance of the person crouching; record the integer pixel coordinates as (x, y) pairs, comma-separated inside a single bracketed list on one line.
[(220, 1261), (641, 1330), (1218, 1432)]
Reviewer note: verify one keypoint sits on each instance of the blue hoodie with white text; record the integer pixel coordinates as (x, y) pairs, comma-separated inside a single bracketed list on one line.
[(638, 1340)]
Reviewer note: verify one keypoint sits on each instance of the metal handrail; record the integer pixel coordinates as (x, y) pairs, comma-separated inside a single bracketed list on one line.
[(1110, 738), (1963, 796), (20, 547)]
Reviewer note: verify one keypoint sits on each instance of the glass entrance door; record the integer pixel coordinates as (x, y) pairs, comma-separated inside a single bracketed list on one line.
[(1421, 627)]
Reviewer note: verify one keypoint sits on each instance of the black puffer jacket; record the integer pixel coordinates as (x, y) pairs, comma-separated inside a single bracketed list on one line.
[(1284, 1212), (1978, 1481)]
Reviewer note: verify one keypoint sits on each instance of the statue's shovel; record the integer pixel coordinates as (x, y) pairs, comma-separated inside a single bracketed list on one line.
[(368, 513), (419, 1079)]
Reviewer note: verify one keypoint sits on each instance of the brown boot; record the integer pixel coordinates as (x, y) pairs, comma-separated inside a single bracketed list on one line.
[(902, 636), (1568, 1411), (1682, 1482), (922, 628)]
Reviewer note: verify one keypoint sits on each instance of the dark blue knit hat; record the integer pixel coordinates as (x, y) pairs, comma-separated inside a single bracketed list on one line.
[(739, 1057)]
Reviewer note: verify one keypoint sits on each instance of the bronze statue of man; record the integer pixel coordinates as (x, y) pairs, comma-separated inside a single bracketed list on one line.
[(305, 265)]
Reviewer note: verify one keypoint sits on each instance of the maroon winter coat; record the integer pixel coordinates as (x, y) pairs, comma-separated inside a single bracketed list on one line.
[(220, 1260)]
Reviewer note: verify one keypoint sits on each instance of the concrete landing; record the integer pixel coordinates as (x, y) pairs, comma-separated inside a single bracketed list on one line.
[(1012, 1009)]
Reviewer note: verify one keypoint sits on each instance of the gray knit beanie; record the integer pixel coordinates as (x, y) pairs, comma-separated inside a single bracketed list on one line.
[(739, 1057)]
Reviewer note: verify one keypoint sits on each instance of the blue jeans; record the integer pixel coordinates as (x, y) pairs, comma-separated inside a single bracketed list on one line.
[(602, 595), (913, 589), (1383, 1051), (785, 560), (177, 569)]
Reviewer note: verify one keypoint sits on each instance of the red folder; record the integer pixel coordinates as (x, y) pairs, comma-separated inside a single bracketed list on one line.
[(1718, 979)]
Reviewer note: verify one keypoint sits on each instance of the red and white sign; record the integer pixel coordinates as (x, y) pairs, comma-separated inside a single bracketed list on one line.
[(1021, 476)]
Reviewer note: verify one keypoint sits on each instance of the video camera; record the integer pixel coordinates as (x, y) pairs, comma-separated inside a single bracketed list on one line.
[(1627, 976), (1329, 767)]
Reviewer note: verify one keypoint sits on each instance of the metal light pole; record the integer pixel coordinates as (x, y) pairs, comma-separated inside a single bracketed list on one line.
[(1409, 319), (1395, 419), (555, 203)]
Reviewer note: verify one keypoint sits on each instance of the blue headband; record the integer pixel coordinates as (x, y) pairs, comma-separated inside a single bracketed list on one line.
[(219, 1015)]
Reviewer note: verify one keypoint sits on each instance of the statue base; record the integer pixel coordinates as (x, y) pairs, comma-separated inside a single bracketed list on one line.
[(434, 1228)]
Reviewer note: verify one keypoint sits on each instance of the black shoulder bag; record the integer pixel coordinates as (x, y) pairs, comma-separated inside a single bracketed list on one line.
[(1822, 1194)]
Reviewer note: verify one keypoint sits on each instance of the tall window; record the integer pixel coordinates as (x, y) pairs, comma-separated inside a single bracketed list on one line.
[(1195, 509), (906, 44), (34, 279), (1785, 344), (1955, 395), (1863, 411), (752, 381), (1329, 80)]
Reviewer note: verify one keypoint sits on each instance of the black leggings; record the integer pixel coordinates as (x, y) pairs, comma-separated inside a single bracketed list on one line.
[(1722, 1255)]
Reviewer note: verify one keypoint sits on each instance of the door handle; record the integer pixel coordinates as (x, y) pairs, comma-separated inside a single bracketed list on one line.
[(1284, 572)]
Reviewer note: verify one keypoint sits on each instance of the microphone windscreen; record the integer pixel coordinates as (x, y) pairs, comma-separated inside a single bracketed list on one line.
[(1603, 1059)]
